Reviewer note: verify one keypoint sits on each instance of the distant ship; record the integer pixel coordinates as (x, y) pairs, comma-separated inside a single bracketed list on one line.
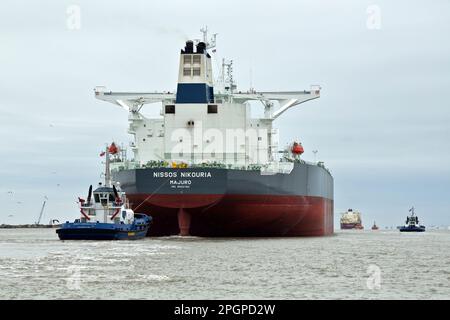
[(374, 227), (412, 223), (351, 220)]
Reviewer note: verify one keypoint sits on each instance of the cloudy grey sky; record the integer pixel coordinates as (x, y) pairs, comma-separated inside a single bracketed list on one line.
[(382, 124)]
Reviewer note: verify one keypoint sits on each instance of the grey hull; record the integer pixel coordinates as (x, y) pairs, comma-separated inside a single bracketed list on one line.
[(224, 202), (304, 180)]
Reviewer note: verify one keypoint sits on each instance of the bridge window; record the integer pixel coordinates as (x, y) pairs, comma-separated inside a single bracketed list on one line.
[(104, 201), (187, 59), (186, 71), (196, 72), (212, 108), (170, 108), (197, 59)]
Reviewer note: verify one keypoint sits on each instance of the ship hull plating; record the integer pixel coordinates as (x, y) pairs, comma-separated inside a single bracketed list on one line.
[(351, 226), (214, 202)]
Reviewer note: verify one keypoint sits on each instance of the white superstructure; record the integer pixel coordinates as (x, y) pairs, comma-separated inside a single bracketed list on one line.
[(199, 126), (106, 204)]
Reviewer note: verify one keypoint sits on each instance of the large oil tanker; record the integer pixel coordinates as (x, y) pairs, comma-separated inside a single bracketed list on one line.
[(351, 220), (205, 167)]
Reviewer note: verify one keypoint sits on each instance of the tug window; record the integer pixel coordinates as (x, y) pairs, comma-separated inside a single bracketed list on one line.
[(170, 108), (196, 72), (186, 71), (96, 198), (212, 108)]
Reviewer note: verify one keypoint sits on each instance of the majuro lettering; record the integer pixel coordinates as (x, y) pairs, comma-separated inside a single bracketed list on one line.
[(180, 182)]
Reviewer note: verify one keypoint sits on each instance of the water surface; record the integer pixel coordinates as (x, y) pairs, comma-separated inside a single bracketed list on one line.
[(34, 264)]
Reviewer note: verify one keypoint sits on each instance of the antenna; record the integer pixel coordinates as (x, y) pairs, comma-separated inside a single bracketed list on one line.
[(211, 43), (229, 81), (107, 170), (251, 80), (315, 154), (204, 31)]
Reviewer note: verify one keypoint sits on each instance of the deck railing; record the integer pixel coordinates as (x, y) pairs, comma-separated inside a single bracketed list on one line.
[(275, 167)]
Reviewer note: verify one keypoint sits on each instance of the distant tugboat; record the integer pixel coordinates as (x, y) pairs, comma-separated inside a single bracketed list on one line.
[(374, 227), (351, 220), (412, 223), (106, 216)]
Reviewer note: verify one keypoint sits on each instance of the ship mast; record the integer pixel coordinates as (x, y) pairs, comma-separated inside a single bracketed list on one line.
[(211, 43), (107, 171), (228, 81)]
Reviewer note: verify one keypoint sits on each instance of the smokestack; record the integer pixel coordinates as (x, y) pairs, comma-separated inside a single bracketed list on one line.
[(189, 48), (201, 46)]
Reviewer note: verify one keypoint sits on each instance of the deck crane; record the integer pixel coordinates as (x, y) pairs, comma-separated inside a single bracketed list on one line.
[(42, 212)]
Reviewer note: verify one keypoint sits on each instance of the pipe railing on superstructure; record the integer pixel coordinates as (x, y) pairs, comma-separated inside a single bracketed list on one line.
[(129, 164)]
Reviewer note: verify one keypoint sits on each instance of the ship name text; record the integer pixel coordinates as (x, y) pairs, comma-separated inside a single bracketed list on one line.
[(189, 174)]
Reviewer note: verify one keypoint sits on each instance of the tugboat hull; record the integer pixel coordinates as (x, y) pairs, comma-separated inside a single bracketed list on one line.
[(412, 229), (101, 231)]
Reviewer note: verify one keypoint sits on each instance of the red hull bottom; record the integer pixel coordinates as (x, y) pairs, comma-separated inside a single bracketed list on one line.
[(351, 226), (236, 215)]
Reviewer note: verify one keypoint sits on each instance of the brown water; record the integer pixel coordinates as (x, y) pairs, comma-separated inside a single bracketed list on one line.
[(34, 264)]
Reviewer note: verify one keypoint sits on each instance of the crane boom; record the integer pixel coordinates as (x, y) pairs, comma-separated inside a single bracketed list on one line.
[(41, 213)]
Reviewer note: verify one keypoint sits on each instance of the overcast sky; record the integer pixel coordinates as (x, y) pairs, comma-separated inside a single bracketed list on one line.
[(382, 124)]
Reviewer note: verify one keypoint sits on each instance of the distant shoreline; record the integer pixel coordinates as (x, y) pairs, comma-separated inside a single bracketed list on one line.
[(28, 226)]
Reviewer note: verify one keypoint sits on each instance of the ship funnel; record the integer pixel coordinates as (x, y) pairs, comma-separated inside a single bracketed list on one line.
[(195, 78), (189, 48), (201, 47)]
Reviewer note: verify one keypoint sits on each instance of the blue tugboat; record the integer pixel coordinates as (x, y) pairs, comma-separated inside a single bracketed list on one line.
[(412, 223), (106, 215)]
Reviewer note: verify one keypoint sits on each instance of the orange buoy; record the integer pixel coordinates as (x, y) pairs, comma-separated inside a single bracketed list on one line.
[(113, 148), (297, 148)]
